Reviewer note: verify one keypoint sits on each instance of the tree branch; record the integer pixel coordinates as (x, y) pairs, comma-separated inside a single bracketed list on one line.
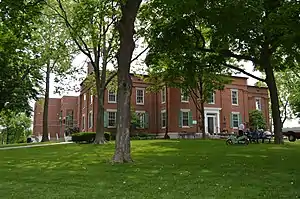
[(228, 53), (70, 27), (110, 79), (243, 71), (285, 112), (132, 60)]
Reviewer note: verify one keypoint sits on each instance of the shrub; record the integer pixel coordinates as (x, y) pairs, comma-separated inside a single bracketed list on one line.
[(257, 120), (107, 136), (88, 137), (71, 131)]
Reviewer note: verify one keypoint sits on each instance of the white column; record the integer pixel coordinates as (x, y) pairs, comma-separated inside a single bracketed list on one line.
[(205, 121), (218, 121)]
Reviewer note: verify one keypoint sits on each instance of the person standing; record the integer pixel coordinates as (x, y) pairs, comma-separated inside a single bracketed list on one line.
[(241, 129)]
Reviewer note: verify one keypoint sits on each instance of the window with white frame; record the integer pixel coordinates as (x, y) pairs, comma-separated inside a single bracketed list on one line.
[(185, 118), (211, 98), (83, 122), (90, 118), (258, 103), (184, 96), (234, 97), (112, 97), (163, 95), (163, 117), (140, 96), (235, 120), (91, 99), (112, 116), (84, 96), (141, 117)]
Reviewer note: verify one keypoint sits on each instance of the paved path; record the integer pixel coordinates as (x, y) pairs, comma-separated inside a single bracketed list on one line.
[(33, 145)]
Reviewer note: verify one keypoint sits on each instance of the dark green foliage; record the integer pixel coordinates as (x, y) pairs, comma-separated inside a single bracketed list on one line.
[(107, 136), (16, 127), (87, 137), (143, 136), (265, 33), (19, 77), (71, 131), (257, 120)]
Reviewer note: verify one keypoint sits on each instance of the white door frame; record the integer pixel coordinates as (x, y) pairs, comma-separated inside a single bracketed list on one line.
[(212, 111), (214, 117)]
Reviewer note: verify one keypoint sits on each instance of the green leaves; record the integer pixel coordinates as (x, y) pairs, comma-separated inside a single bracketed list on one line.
[(257, 120), (19, 77), (16, 126)]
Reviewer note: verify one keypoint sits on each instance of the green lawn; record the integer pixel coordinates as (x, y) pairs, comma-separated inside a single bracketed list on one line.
[(162, 170), (25, 144)]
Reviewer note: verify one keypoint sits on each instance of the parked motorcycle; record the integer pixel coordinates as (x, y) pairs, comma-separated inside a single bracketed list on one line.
[(233, 139)]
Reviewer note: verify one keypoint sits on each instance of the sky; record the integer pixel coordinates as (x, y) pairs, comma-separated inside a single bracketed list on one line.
[(138, 66)]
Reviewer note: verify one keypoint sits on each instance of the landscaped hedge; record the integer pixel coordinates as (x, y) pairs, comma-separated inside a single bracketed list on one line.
[(143, 136), (88, 137)]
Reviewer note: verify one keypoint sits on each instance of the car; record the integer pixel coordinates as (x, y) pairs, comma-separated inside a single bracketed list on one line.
[(293, 133)]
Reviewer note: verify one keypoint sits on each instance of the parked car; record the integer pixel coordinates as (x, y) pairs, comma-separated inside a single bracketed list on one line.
[(292, 133)]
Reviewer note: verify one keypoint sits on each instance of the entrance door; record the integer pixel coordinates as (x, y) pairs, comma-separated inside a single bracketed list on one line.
[(211, 124)]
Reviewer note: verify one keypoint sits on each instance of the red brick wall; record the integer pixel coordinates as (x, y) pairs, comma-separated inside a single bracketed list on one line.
[(53, 115), (55, 106), (153, 106)]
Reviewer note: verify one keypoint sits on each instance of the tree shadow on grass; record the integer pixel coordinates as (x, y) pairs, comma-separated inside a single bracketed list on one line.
[(161, 169)]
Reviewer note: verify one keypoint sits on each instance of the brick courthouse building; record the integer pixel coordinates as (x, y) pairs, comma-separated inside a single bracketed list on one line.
[(225, 110)]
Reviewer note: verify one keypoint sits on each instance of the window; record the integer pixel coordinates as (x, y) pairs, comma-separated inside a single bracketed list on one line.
[(91, 119), (234, 97), (184, 96), (211, 98), (140, 96), (235, 120), (142, 119), (112, 119), (69, 119), (258, 103), (185, 118), (163, 95), (163, 117), (84, 100), (91, 99), (112, 97), (83, 122)]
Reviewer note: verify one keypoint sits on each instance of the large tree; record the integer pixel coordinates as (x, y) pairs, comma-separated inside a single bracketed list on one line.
[(55, 48), (16, 126), (19, 77), (264, 33), (91, 25), (126, 30), (197, 75)]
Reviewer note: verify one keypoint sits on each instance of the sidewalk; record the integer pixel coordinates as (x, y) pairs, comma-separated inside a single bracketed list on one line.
[(34, 145)]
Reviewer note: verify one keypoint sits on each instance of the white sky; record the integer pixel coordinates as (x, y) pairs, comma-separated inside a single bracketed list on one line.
[(139, 67)]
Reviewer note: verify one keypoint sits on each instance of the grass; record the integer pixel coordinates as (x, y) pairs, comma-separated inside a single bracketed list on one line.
[(25, 144), (190, 169)]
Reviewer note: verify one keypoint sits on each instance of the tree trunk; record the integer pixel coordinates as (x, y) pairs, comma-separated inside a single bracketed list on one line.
[(99, 139), (202, 116), (45, 137), (126, 31), (202, 120), (270, 80), (166, 136)]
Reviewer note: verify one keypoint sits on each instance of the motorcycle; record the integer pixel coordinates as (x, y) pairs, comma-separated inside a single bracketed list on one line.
[(233, 139)]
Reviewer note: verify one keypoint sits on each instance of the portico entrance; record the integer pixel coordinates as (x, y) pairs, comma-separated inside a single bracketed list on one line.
[(212, 120)]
